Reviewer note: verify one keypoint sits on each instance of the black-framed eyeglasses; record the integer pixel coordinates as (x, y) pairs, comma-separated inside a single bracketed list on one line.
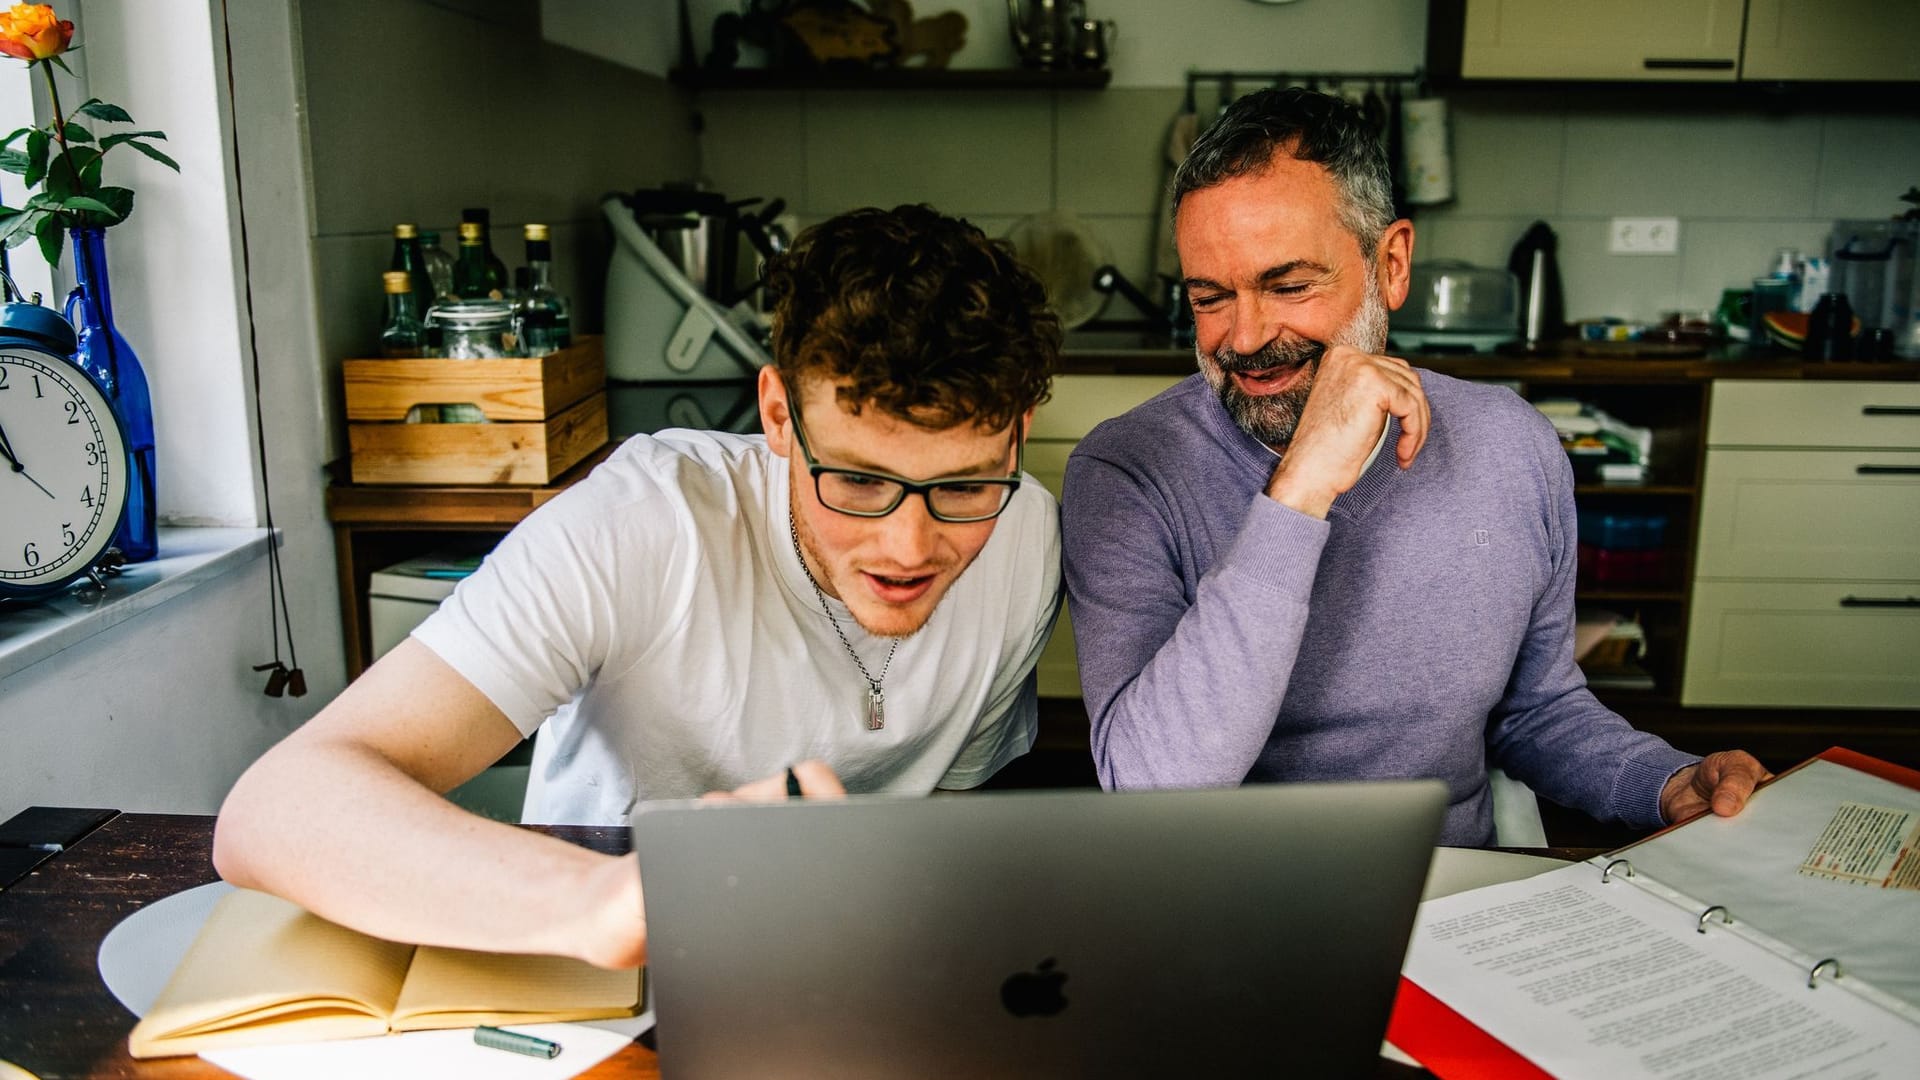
[(955, 499)]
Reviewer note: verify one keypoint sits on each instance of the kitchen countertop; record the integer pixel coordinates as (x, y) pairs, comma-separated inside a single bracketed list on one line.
[(1131, 353)]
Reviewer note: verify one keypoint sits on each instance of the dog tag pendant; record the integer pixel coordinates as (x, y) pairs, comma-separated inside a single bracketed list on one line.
[(876, 709)]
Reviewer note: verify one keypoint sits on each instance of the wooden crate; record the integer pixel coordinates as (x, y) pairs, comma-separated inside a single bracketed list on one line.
[(545, 413)]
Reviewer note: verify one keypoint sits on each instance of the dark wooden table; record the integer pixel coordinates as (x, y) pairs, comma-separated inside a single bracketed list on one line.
[(58, 1020)]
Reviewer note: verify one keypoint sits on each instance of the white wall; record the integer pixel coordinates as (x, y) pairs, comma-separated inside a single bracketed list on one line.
[(173, 262), (163, 712)]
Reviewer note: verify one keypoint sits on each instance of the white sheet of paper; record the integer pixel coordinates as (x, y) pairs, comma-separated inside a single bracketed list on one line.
[(1603, 980), (1751, 863), (138, 956)]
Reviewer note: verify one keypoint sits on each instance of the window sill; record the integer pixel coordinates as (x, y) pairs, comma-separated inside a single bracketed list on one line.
[(189, 559)]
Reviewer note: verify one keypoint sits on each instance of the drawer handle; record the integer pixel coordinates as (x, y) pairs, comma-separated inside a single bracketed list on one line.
[(1880, 601), (1674, 64), (1890, 410), (1887, 470)]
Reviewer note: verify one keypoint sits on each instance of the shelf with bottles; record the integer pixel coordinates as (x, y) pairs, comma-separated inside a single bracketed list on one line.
[(893, 78)]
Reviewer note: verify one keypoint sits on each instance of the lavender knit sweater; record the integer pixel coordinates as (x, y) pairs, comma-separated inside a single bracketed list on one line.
[(1424, 629)]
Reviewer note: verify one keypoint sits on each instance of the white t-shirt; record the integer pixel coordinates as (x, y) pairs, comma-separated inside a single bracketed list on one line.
[(655, 616)]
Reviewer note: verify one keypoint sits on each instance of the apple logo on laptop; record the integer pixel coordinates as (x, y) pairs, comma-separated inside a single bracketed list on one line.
[(1036, 992)]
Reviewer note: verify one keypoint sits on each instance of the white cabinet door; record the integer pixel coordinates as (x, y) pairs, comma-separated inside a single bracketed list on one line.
[(1788, 412), (1818, 644), (1810, 514), (1838, 40), (1619, 39)]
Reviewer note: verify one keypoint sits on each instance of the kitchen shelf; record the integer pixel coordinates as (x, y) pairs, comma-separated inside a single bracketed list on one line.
[(897, 78), (1635, 489), (1649, 594)]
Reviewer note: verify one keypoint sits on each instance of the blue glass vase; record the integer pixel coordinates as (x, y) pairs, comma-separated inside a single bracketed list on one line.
[(107, 358)]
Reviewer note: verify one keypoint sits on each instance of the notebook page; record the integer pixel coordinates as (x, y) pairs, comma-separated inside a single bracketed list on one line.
[(260, 962), (1752, 864), (1586, 979), (459, 988)]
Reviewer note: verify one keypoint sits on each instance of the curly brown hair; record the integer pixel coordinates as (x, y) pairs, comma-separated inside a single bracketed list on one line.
[(916, 313)]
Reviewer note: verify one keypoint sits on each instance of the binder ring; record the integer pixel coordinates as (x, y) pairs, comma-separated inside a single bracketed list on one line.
[(1814, 972), (1606, 874), (1726, 917)]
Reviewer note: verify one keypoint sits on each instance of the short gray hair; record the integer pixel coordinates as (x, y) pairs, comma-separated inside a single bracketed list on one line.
[(1316, 127)]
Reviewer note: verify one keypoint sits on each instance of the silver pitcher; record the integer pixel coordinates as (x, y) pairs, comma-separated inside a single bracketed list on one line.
[(1039, 35)]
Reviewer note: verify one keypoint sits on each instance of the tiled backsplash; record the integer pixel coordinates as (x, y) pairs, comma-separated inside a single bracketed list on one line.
[(1742, 181)]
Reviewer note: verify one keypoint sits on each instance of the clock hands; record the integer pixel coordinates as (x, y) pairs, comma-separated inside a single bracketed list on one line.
[(6, 450)]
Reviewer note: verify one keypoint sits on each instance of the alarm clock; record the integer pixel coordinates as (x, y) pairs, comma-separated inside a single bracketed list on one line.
[(63, 458)]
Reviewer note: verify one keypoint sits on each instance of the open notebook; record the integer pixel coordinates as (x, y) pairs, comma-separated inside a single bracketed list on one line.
[(265, 971), (1783, 942)]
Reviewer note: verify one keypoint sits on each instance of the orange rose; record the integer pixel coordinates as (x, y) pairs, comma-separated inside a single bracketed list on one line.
[(30, 32)]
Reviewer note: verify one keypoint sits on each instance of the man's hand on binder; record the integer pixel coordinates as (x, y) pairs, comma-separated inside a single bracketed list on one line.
[(1721, 783)]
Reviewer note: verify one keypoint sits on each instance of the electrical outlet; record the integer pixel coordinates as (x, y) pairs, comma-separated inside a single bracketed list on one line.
[(1644, 236)]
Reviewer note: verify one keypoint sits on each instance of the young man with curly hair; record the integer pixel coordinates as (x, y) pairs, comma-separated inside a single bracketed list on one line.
[(860, 594)]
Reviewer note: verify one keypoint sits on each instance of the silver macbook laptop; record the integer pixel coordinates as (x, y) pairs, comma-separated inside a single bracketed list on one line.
[(1251, 931)]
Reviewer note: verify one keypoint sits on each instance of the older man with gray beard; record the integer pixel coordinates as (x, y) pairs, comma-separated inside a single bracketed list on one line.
[(1259, 593)]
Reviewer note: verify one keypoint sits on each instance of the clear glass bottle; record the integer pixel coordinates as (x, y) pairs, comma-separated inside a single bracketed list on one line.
[(496, 270), (545, 324), (439, 264), (405, 334), (409, 258), (470, 269)]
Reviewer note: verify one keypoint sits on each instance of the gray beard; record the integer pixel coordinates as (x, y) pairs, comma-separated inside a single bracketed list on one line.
[(1272, 418)]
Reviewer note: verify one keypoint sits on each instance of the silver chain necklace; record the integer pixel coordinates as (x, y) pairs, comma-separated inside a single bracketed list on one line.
[(876, 698)]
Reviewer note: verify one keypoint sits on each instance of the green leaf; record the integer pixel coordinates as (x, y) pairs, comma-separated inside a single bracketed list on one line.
[(156, 155), (119, 200), (36, 157), (9, 140), (13, 161), (19, 227), (41, 201), (76, 133), (62, 64), (67, 173), (82, 202), (100, 110), (90, 173), (47, 231), (112, 141)]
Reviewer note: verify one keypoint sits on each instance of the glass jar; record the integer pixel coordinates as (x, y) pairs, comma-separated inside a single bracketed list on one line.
[(476, 329)]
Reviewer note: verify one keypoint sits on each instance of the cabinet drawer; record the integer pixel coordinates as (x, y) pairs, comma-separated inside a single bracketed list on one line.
[(1771, 643), (1777, 413), (1810, 514), (1081, 401)]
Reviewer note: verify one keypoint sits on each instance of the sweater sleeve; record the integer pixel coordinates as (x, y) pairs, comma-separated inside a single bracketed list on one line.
[(1549, 730), (1182, 690)]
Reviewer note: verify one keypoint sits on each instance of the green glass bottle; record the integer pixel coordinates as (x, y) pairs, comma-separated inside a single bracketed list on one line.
[(411, 259), (545, 325), (496, 270), (405, 334), (470, 266)]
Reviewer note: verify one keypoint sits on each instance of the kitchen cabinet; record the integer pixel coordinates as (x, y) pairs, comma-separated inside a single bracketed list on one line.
[(1836, 40), (1693, 40), (1807, 590), (1711, 41), (1079, 402)]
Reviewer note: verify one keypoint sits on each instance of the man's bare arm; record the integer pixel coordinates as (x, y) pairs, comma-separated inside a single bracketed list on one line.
[(346, 818)]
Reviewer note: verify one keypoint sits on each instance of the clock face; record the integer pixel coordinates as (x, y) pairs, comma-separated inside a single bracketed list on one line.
[(63, 471)]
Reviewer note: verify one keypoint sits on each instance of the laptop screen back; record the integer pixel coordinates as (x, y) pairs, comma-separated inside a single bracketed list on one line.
[(1248, 931)]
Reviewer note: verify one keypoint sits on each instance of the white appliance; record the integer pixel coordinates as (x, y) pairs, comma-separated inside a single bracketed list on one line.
[(660, 326)]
